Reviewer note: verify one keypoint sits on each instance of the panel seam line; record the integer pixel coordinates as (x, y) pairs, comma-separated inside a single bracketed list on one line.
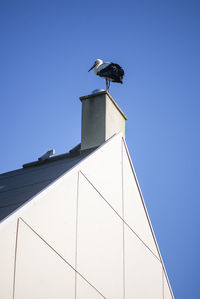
[(15, 259), (58, 254), (119, 216)]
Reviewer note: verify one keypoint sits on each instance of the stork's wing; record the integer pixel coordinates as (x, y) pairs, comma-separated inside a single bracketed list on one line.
[(112, 71), (118, 68)]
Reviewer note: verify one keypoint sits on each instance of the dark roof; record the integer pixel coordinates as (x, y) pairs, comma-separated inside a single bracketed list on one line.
[(16, 187)]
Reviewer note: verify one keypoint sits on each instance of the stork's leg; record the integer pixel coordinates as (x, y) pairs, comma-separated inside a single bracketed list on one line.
[(106, 84), (109, 86)]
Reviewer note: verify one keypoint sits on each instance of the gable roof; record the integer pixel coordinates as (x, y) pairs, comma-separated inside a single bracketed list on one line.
[(16, 187)]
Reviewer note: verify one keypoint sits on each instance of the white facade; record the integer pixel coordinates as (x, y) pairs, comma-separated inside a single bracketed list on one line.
[(86, 236)]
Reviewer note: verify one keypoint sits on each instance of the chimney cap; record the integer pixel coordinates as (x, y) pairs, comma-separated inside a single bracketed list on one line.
[(97, 90), (106, 93)]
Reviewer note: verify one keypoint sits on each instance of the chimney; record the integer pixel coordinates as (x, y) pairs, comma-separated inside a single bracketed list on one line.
[(101, 119)]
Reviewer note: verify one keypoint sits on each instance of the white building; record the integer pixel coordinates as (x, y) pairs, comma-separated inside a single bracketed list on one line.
[(75, 226)]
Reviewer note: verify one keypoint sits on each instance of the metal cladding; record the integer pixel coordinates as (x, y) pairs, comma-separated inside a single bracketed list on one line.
[(86, 233)]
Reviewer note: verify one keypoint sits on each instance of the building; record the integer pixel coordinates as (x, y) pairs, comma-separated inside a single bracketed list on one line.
[(76, 225)]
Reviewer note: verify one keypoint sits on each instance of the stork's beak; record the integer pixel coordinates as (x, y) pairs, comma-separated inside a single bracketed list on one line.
[(92, 67)]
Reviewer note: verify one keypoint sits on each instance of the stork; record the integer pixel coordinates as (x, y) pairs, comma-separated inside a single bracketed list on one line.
[(110, 71)]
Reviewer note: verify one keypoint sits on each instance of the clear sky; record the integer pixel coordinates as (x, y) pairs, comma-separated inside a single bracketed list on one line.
[(46, 50)]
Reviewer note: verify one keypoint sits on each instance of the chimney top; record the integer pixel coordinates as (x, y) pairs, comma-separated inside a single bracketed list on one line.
[(104, 93), (101, 119)]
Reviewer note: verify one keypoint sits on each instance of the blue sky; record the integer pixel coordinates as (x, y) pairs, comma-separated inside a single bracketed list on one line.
[(46, 50)]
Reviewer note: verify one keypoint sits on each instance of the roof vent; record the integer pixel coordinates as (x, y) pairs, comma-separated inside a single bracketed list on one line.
[(47, 155)]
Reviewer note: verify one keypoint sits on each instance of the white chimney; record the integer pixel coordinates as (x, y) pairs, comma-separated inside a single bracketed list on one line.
[(101, 119)]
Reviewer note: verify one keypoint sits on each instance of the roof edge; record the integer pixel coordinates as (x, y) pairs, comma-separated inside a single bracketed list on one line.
[(17, 212), (73, 153)]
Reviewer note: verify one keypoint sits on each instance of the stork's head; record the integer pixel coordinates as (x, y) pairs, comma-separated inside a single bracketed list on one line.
[(97, 63)]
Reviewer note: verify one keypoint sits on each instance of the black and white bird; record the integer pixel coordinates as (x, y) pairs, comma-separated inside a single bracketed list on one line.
[(108, 70)]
